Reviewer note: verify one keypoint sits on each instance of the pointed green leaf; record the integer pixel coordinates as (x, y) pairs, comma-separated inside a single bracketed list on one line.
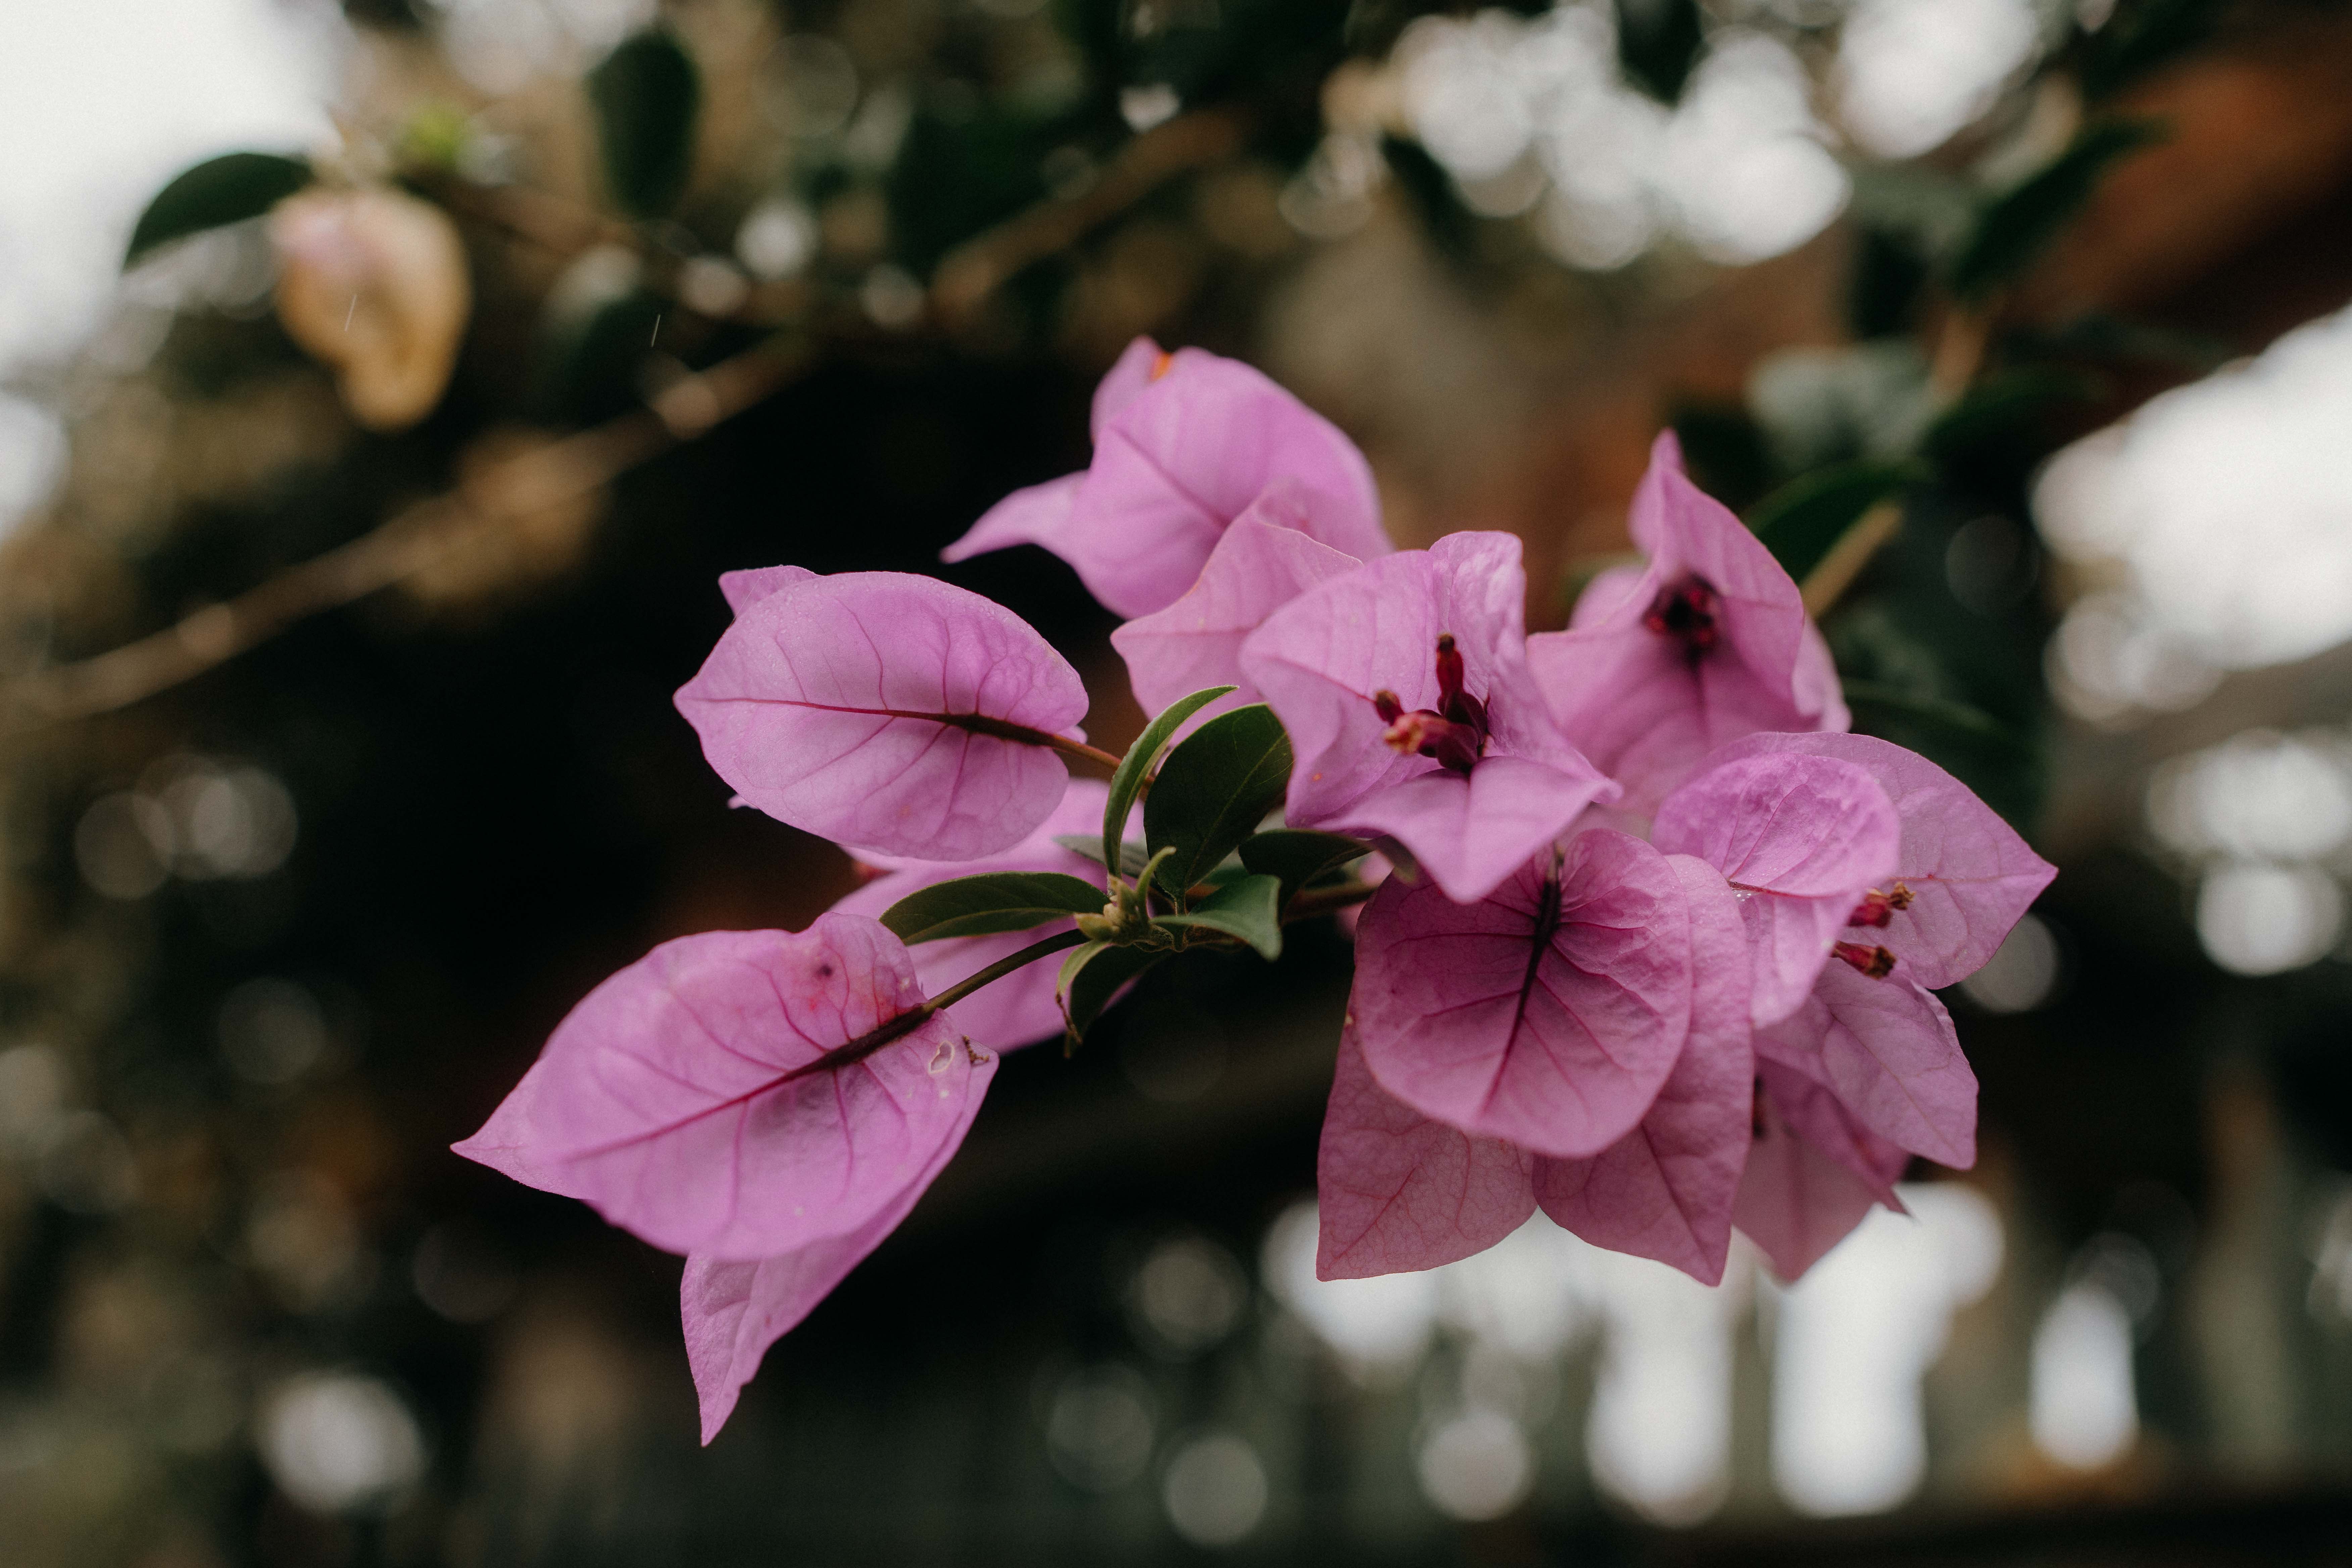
[(1131, 855), (2018, 225), (1091, 976), (1213, 791), (1248, 910), (1296, 857), (992, 901), (1803, 519), (224, 190), (1127, 780), (647, 97)]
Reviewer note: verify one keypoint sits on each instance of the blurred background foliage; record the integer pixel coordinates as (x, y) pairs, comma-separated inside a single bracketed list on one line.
[(355, 542)]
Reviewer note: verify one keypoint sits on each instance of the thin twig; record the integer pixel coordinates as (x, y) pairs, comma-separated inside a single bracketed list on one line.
[(1826, 584), (977, 267), (414, 539)]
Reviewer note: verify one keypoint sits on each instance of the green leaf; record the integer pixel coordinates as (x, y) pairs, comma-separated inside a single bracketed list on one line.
[(1132, 854), (1091, 976), (1961, 716), (1803, 519), (647, 96), (2002, 403), (2140, 36), (1213, 791), (992, 901), (1296, 857), (1126, 779), (2016, 226), (1250, 910), (224, 190)]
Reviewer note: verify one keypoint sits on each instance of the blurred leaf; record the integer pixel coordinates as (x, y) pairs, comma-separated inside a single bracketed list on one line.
[(2018, 225), (1131, 855), (2002, 405), (647, 97), (1974, 723), (1126, 779), (1802, 520), (585, 366), (1296, 857), (991, 902), (224, 190), (2140, 36), (1249, 909), (1890, 273), (1726, 451), (1213, 791), (1430, 189), (1658, 43), (1090, 977)]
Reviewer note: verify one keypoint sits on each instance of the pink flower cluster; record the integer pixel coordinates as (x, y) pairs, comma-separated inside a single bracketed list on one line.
[(1659, 958)]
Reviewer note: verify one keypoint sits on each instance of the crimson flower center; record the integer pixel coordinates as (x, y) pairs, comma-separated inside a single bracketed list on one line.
[(1454, 732), (1685, 611)]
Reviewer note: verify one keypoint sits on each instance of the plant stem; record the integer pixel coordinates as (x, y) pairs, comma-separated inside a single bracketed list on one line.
[(1307, 906), (915, 1018), (1079, 749)]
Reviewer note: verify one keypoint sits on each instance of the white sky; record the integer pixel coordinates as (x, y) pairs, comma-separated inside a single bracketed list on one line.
[(103, 100)]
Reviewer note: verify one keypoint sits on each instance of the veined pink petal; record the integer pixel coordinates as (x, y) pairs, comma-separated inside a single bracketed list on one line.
[(1020, 1008), (1472, 833), (1262, 563), (1966, 873), (888, 711), (1036, 514), (684, 1099), (1886, 1048), (1665, 1190), (1323, 659), (1396, 1191), (1183, 444), (1795, 1202), (733, 1311), (1647, 705), (1550, 1018), (1799, 843), (746, 588), (1816, 1114)]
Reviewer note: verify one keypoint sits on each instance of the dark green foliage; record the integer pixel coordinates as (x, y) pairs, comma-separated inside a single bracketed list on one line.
[(1726, 452), (1130, 859), (1296, 857), (1126, 779), (228, 189), (1452, 227), (958, 174), (1801, 522), (647, 97), (586, 369), (1658, 43), (1213, 791), (2141, 36), (1890, 271), (1091, 975), (2016, 225), (2003, 407), (991, 902), (1249, 909)]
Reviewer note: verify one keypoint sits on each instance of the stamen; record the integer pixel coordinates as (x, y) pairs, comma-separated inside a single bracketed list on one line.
[(1877, 908), (1685, 611), (1875, 961), (1160, 366)]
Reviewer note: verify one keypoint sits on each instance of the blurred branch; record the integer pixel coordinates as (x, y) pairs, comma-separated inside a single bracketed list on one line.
[(564, 469), (1829, 580), (978, 267)]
